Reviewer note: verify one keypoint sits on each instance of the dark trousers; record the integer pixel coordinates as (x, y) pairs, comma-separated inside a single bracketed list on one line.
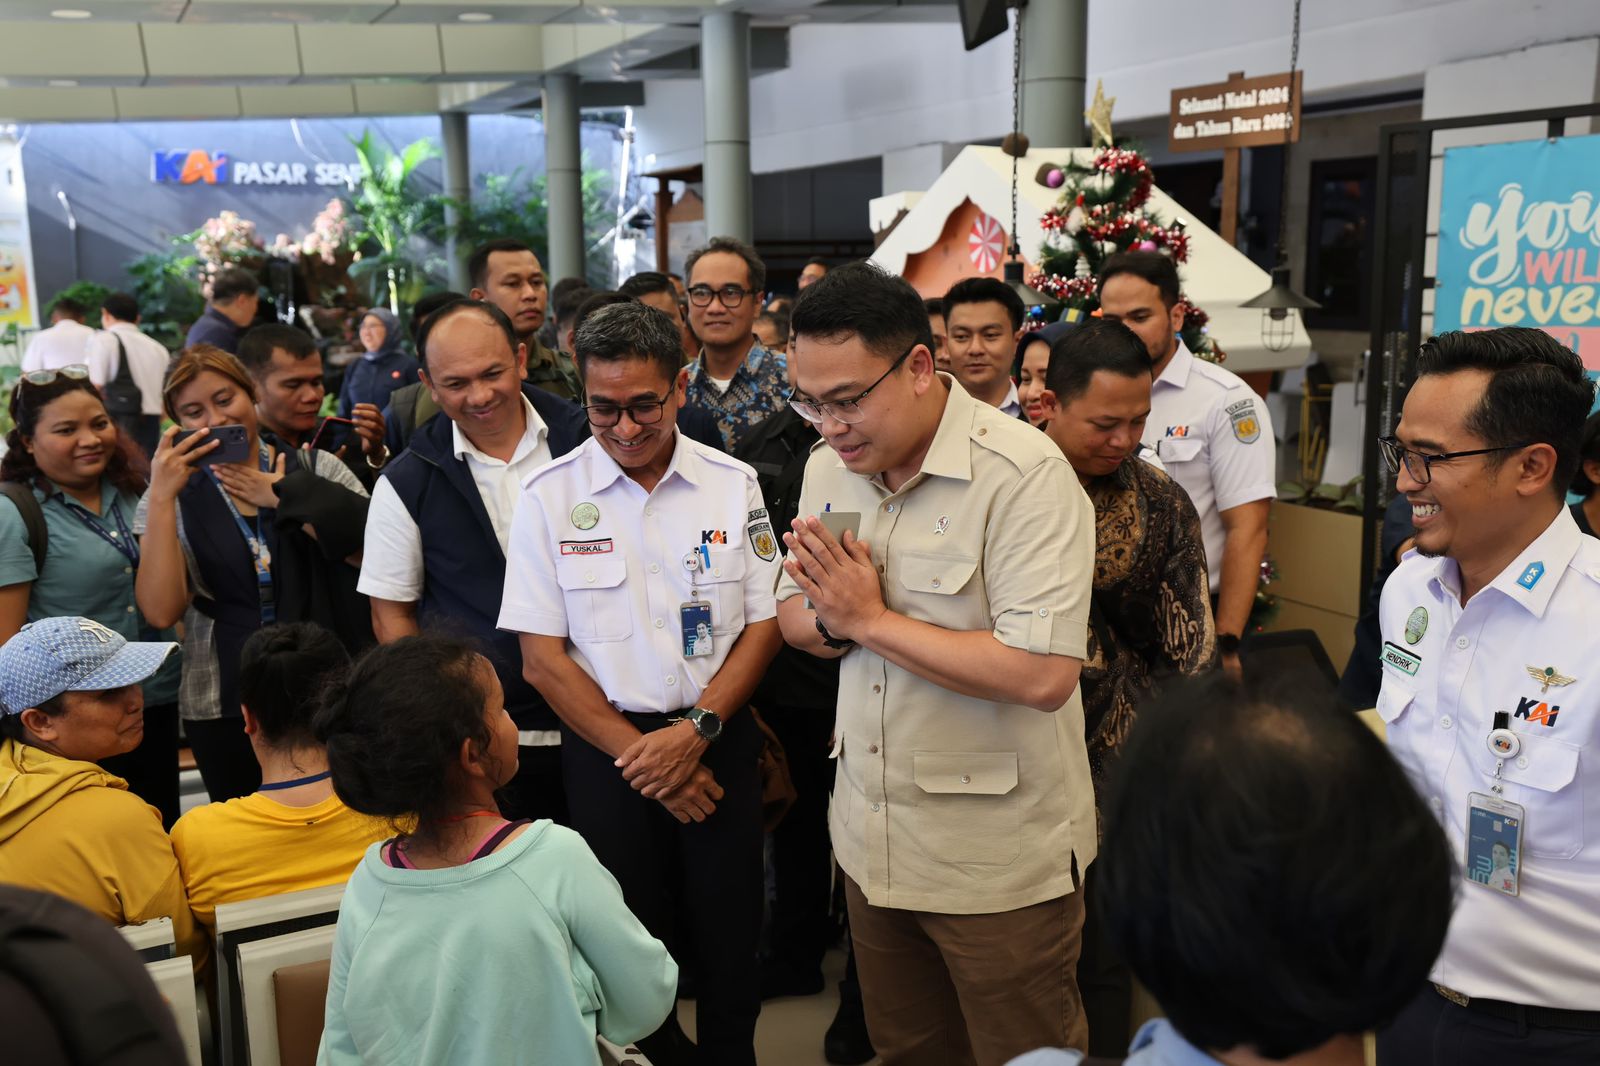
[(224, 757), (536, 790), (802, 859), (696, 887), (151, 769), (1432, 1031), (1104, 981)]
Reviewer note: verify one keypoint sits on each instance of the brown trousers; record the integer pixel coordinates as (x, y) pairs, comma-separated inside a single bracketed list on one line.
[(969, 989)]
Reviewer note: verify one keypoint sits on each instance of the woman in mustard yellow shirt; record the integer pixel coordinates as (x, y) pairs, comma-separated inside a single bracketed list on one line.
[(69, 697), (293, 833)]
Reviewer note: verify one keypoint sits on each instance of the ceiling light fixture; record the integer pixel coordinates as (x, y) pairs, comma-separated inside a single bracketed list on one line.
[(475, 16), (63, 83), (71, 13)]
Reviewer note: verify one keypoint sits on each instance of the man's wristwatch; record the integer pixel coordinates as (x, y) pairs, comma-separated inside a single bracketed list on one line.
[(1228, 643), (830, 640), (705, 722)]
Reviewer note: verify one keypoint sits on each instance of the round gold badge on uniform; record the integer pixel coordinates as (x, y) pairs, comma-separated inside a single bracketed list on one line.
[(585, 516), (1416, 625)]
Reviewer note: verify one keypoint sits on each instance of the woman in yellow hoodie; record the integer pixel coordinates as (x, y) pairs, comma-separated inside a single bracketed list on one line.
[(70, 695)]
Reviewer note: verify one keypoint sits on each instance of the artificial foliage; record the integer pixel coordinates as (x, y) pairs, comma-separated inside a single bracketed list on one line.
[(1104, 209)]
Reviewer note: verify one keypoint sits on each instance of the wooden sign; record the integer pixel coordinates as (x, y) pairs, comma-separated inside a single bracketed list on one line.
[(1238, 113)]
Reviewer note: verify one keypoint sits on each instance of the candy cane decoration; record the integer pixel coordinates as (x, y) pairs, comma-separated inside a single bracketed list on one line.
[(985, 244)]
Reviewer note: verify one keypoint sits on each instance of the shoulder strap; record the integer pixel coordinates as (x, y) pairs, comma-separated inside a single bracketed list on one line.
[(32, 518), (496, 838), (124, 375)]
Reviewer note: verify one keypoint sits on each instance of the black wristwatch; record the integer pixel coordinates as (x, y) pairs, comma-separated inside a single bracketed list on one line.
[(829, 640), (1228, 643), (705, 722)]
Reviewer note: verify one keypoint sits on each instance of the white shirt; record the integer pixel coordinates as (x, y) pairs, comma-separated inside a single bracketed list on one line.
[(62, 344), (1214, 436), (596, 559), (147, 362), (391, 561), (1440, 691), (1013, 403)]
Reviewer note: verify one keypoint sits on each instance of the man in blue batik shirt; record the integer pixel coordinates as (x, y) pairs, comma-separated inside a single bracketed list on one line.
[(735, 379)]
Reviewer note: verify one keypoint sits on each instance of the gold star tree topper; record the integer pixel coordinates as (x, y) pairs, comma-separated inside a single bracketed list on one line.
[(1099, 115)]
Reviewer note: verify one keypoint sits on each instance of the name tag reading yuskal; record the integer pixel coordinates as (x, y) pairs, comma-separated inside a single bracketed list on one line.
[(1395, 656)]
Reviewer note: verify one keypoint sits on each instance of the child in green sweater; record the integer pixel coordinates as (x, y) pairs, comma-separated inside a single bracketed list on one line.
[(468, 938)]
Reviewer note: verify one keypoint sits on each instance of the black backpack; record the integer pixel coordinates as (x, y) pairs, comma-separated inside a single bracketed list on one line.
[(123, 397), (32, 519), (88, 988)]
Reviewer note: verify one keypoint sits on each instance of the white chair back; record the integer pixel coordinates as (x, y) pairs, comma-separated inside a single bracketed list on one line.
[(153, 940), (258, 961), (249, 921), (174, 978)]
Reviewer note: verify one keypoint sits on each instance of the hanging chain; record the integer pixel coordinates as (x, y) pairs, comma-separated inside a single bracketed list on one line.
[(1016, 121), (1283, 206)]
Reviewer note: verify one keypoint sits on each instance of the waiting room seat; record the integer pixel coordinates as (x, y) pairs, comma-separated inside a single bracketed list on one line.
[(153, 940), (248, 922), (302, 997), (174, 979), (268, 1020)]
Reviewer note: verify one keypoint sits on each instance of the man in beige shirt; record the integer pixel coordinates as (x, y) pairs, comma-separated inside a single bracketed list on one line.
[(963, 813)]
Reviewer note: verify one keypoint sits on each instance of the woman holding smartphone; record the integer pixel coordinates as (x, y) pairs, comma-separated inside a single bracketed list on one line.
[(81, 477), (230, 547)]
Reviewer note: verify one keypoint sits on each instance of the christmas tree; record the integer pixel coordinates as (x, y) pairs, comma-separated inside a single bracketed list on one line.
[(1103, 211)]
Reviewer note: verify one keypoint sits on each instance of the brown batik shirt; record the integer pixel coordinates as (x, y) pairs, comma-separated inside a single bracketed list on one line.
[(1150, 615)]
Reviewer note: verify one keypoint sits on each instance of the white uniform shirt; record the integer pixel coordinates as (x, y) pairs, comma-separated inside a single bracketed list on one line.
[(1214, 436), (391, 560), (1012, 405), (147, 362), (1446, 670), (596, 559), (62, 344)]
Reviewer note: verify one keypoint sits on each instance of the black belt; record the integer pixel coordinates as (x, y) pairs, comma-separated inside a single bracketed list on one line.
[(1544, 1017)]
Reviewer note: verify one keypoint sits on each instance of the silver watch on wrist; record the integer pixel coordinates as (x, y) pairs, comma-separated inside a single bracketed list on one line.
[(705, 722)]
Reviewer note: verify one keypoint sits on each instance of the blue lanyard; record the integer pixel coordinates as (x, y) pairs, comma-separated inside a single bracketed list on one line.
[(276, 785), (259, 556), (123, 539)]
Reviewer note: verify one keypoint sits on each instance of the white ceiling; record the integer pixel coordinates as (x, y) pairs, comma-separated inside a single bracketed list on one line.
[(145, 59)]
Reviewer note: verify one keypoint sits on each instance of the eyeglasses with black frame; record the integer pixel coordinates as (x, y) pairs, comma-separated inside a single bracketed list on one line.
[(1420, 464), (848, 410), (730, 295), (643, 413)]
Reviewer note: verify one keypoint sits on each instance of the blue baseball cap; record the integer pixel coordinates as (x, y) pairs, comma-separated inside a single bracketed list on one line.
[(56, 655)]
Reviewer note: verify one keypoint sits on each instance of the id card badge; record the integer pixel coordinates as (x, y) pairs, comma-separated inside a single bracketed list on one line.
[(1494, 843), (694, 621)]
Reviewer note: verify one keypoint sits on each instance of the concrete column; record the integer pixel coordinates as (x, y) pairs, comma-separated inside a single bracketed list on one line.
[(563, 167), (1055, 62), (458, 187), (725, 73)]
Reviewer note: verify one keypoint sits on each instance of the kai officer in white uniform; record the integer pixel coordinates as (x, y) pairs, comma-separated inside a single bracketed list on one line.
[(640, 576), (1211, 431), (1491, 695)]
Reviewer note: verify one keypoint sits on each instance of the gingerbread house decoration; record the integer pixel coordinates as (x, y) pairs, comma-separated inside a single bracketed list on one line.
[(957, 229)]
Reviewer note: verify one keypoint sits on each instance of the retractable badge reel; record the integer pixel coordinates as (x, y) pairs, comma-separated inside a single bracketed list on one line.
[(1494, 823), (694, 617)]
